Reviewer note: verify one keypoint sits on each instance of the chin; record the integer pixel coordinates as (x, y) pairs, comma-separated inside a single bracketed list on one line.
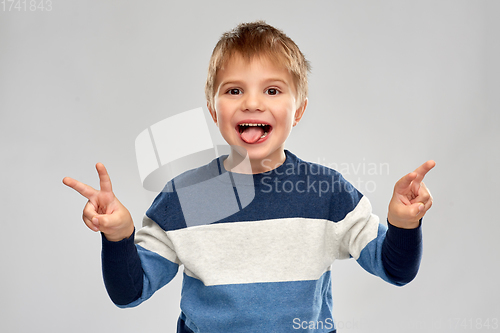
[(266, 154)]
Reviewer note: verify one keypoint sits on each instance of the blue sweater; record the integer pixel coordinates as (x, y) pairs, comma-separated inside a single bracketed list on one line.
[(256, 249)]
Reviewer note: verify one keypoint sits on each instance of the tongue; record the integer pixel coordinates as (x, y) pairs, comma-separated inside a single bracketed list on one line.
[(252, 134)]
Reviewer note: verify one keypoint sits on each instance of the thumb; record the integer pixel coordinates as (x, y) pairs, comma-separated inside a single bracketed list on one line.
[(99, 220), (105, 222), (417, 208)]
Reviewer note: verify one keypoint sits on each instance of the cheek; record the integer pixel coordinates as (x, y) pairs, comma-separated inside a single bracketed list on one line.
[(288, 114), (223, 118)]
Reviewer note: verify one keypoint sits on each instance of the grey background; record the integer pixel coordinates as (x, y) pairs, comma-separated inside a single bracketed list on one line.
[(394, 83)]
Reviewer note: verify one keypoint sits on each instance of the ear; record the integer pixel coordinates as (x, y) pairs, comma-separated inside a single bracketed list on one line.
[(212, 113), (300, 112)]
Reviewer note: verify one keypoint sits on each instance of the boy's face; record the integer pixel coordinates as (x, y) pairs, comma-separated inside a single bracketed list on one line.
[(256, 108)]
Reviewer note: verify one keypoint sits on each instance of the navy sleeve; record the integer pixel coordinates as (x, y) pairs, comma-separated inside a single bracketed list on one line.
[(401, 253), (121, 270)]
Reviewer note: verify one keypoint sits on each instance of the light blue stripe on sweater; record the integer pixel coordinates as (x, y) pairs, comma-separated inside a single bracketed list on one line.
[(268, 307), (371, 256)]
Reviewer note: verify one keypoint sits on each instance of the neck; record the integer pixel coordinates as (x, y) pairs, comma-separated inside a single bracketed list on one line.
[(238, 161)]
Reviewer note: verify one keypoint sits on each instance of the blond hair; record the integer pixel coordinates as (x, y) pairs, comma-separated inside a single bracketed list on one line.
[(258, 39)]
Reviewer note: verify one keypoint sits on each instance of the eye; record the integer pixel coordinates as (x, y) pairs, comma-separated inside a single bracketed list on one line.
[(272, 91), (234, 91)]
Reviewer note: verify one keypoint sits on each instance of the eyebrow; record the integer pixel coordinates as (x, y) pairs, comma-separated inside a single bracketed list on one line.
[(276, 80), (230, 82), (266, 81)]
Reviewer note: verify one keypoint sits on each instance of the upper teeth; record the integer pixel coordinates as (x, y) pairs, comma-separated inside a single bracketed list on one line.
[(248, 124)]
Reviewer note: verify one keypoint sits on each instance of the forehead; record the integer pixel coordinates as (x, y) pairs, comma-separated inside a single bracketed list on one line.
[(260, 66)]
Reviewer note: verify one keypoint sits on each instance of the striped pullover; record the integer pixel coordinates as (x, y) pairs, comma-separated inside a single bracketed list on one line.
[(256, 249)]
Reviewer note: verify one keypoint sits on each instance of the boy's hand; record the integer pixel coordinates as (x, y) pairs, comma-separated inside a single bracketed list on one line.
[(411, 199), (103, 212)]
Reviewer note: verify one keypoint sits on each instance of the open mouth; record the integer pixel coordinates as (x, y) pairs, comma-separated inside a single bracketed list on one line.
[(253, 132)]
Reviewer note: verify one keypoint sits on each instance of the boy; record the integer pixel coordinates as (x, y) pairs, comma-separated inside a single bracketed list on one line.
[(265, 267)]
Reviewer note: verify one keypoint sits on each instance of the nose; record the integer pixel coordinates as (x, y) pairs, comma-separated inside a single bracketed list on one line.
[(252, 101)]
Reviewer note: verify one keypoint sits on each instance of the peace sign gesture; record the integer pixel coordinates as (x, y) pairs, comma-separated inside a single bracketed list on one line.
[(103, 212), (411, 198)]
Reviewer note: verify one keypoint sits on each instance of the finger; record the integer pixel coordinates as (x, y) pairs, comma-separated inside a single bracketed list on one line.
[(84, 189), (423, 194), (423, 197), (94, 226), (405, 182), (427, 191), (89, 212), (105, 181), (424, 200), (423, 169)]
